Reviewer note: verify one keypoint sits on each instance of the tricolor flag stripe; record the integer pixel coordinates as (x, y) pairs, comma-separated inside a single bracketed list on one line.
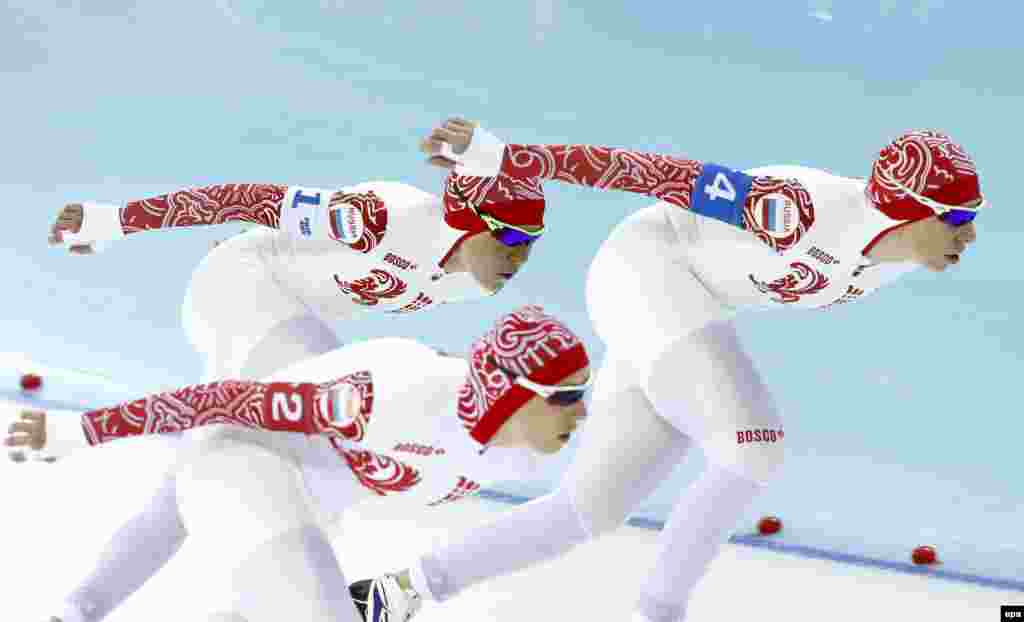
[(337, 224), (768, 215)]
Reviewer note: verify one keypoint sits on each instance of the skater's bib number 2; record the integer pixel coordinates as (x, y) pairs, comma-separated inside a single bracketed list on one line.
[(288, 407)]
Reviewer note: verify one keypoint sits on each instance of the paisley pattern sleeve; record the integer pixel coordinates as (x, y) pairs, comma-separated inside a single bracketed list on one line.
[(666, 178), (209, 205), (777, 212), (276, 406)]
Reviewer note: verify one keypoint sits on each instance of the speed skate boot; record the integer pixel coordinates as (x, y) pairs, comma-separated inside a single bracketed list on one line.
[(384, 600)]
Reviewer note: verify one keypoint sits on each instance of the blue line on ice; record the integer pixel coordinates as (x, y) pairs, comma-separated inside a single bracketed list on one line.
[(806, 551)]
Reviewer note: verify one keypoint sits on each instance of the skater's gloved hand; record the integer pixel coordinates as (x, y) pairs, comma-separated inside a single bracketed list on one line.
[(28, 431), (70, 219), (454, 135)]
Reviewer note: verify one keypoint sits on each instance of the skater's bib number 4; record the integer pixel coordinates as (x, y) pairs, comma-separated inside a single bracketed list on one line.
[(720, 193)]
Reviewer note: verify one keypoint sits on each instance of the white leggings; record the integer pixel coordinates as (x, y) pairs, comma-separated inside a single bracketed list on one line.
[(675, 375), (245, 327), (241, 321), (242, 493)]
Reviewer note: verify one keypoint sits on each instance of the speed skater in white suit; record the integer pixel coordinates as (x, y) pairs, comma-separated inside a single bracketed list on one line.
[(264, 299), (662, 292), (379, 418)]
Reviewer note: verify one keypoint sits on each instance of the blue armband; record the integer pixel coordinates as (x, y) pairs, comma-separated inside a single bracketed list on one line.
[(720, 194)]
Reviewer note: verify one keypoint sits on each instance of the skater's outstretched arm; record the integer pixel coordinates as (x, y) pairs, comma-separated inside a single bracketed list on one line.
[(310, 408), (705, 188), (210, 205), (303, 212), (470, 150)]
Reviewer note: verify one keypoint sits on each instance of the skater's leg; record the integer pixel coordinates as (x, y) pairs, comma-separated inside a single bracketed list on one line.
[(248, 503), (693, 372), (294, 576), (727, 408), (697, 527), (625, 453), (136, 552), (240, 319), (640, 294), (706, 386)]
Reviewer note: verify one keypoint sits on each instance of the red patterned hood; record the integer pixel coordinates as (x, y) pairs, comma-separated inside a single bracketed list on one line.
[(928, 163), (514, 201), (527, 342)]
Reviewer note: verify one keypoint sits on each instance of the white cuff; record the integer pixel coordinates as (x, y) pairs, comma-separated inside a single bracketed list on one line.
[(100, 222), (483, 157), (418, 579), (64, 434)]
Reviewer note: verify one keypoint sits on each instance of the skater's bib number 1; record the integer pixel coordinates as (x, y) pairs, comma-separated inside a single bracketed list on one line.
[(720, 193)]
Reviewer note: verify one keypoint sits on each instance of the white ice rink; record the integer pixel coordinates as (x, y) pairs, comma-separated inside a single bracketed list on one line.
[(595, 582)]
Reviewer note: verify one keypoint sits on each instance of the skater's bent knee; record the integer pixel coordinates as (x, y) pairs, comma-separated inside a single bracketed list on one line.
[(756, 453), (597, 516)]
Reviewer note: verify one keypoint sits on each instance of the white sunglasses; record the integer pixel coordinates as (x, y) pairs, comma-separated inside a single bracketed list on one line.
[(572, 392), (555, 394), (548, 391)]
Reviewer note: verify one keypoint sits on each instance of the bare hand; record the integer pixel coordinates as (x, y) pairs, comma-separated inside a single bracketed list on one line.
[(28, 431), (456, 132), (69, 219)]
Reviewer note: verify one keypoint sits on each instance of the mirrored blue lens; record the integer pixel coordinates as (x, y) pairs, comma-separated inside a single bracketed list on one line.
[(513, 237), (565, 398), (957, 217)]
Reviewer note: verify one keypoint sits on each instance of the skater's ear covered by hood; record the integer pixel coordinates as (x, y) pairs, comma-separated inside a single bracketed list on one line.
[(528, 343)]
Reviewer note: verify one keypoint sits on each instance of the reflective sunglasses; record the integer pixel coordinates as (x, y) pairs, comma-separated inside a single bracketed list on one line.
[(509, 235), (953, 215), (554, 394)]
